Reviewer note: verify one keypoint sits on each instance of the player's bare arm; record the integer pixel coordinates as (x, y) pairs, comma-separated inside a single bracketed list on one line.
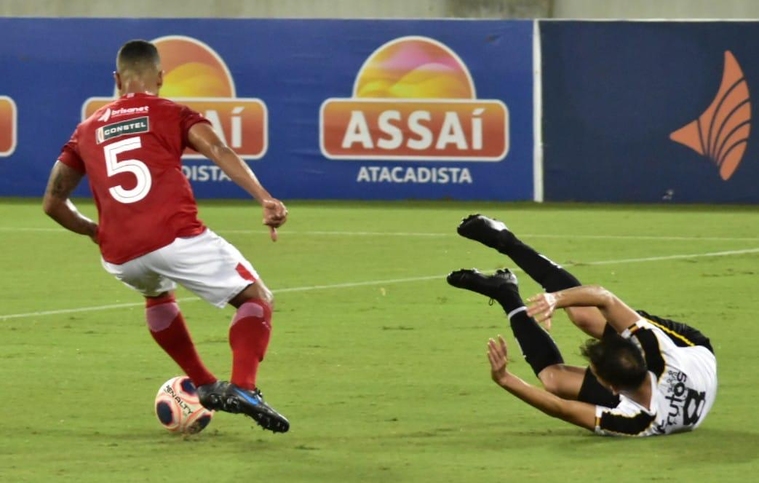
[(57, 205), (616, 312), (207, 142), (578, 413)]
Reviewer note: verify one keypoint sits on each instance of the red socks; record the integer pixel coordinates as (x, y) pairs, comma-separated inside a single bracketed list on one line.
[(249, 336), (169, 330)]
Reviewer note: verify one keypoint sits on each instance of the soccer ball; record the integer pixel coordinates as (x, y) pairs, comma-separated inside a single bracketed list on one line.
[(178, 408)]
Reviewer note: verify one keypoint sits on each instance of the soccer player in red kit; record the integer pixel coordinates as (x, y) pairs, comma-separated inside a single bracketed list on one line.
[(148, 229)]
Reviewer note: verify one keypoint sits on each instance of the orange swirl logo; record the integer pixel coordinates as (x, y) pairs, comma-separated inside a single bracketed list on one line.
[(414, 99), (196, 76), (721, 133), (8, 126)]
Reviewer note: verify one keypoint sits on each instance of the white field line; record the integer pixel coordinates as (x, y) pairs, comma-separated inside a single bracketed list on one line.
[(382, 282), (434, 235)]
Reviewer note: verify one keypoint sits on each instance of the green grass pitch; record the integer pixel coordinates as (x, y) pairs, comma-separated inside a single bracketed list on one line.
[(379, 365)]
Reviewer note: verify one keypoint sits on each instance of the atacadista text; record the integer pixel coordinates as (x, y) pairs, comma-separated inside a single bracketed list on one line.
[(409, 174)]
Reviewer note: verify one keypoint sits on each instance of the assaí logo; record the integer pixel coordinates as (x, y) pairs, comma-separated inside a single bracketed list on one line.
[(8, 126), (414, 100), (721, 133), (196, 76)]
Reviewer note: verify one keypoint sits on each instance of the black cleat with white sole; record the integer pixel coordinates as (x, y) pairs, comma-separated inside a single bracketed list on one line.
[(492, 286), (489, 232)]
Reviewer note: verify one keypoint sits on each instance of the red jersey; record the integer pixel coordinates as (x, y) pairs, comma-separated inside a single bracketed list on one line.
[(131, 150)]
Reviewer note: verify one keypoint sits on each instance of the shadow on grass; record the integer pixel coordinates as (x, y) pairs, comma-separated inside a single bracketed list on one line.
[(700, 447), (256, 440)]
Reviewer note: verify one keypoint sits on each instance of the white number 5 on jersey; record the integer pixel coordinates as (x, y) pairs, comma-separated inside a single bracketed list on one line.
[(115, 166)]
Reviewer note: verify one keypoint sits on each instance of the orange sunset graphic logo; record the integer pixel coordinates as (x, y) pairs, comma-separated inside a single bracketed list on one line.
[(414, 99), (8, 126), (721, 133), (196, 76)]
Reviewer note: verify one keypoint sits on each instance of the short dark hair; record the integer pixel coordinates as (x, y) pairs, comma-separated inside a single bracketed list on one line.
[(616, 360), (137, 55)]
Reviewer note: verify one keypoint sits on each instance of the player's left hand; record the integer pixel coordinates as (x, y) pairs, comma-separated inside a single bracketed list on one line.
[(542, 307), (498, 357), (93, 233)]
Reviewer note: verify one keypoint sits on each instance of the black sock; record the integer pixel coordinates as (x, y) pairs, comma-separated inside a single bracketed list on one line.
[(538, 348), (551, 276)]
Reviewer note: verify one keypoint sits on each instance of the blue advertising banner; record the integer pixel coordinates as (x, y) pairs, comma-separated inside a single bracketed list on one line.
[(650, 111), (320, 109)]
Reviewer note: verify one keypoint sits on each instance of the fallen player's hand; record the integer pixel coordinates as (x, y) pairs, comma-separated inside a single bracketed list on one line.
[(541, 308), (498, 357)]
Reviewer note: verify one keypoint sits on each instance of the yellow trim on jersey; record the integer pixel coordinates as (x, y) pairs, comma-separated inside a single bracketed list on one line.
[(671, 332)]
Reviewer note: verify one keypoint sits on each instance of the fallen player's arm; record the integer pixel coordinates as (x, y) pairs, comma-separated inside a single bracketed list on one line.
[(616, 312), (575, 412), (578, 413)]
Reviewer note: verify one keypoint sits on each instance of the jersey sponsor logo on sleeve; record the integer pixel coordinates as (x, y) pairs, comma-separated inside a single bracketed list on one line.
[(196, 76), (414, 100), (8, 126), (123, 128), (721, 133)]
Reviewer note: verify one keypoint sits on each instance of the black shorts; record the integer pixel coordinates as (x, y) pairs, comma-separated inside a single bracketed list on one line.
[(681, 334)]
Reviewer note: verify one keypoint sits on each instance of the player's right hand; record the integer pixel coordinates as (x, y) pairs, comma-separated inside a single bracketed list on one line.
[(275, 215), (498, 357)]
